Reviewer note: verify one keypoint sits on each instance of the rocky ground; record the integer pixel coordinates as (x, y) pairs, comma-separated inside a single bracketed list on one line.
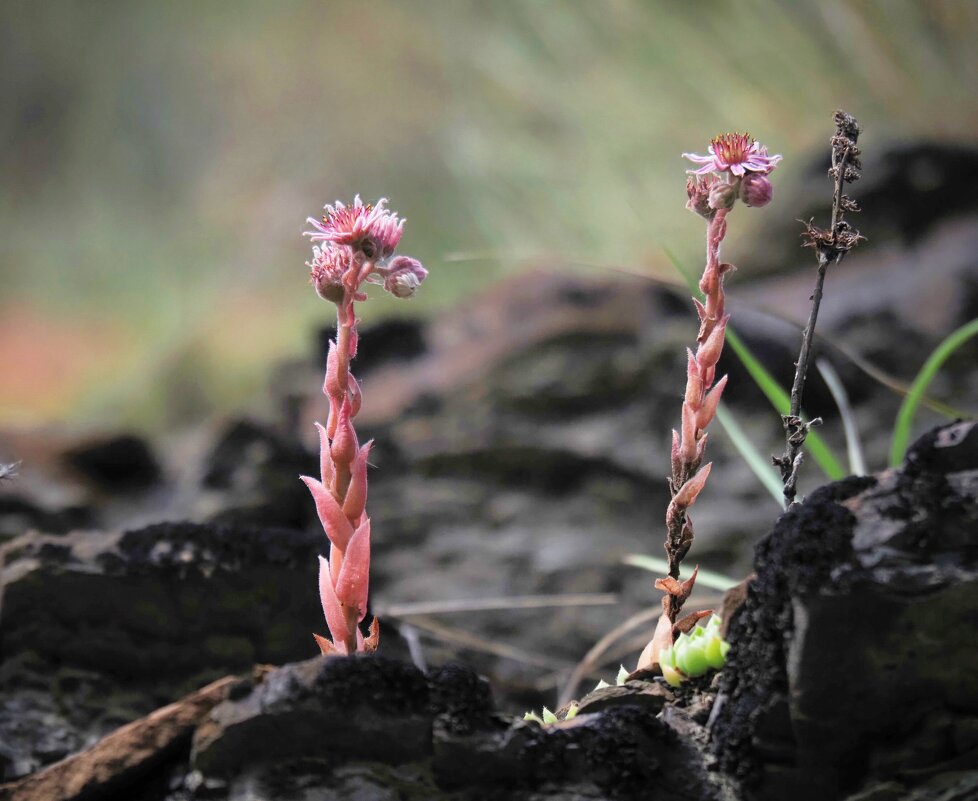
[(521, 450)]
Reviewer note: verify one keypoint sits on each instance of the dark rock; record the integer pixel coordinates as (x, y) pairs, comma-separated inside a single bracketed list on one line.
[(554, 472), (120, 764), (371, 725), (332, 709), (853, 661), (116, 464), (97, 629), (19, 514), (392, 340), (573, 373), (256, 471), (171, 601), (649, 696), (461, 700)]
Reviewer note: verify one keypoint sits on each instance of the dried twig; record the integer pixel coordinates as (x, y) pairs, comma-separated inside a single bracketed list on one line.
[(496, 604), (472, 642), (830, 245)]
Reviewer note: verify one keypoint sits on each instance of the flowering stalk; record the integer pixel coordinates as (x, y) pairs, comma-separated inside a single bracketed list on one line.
[(830, 246), (736, 168), (358, 244)]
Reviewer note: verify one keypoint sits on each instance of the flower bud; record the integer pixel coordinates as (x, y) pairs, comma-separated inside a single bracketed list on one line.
[(326, 271), (723, 196), (699, 197), (404, 276), (756, 189)]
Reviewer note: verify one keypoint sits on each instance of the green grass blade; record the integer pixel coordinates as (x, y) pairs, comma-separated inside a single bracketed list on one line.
[(761, 466), (780, 400), (705, 578), (904, 421), (854, 445)]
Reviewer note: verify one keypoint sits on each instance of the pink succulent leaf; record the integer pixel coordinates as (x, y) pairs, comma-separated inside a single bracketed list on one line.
[(675, 457), (335, 619), (661, 639), (688, 438), (356, 397), (710, 402), (344, 446), (694, 383), (688, 492), (373, 638), (331, 384), (335, 562), (335, 523), (701, 447), (352, 586), (356, 495), (708, 353), (709, 373), (325, 460)]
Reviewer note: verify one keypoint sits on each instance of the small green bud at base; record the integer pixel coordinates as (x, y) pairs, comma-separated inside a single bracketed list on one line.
[(693, 661), (672, 676), (714, 653), (694, 654)]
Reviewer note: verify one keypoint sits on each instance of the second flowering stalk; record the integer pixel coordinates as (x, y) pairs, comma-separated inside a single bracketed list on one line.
[(358, 243), (735, 169)]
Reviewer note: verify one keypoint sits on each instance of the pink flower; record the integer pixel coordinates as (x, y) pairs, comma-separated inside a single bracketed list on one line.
[(373, 231), (698, 190), (404, 276), (326, 271), (756, 190), (736, 154)]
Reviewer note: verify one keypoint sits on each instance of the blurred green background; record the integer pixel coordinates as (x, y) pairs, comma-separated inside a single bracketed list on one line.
[(158, 160)]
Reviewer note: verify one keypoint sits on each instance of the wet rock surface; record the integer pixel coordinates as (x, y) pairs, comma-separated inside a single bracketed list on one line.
[(853, 664), (435, 737), (98, 629)]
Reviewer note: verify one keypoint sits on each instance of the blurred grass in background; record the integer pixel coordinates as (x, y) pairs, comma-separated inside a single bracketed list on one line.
[(158, 159)]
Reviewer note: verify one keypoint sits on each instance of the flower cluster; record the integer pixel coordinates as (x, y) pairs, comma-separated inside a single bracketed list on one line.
[(737, 167), (357, 247)]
